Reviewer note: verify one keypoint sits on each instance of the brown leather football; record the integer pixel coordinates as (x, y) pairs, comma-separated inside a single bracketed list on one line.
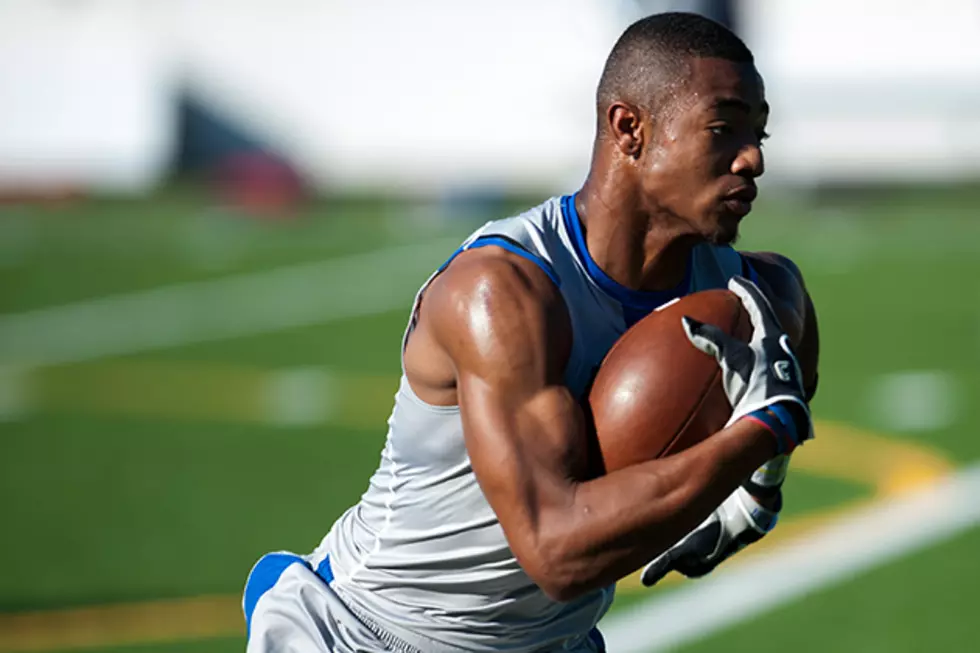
[(656, 394)]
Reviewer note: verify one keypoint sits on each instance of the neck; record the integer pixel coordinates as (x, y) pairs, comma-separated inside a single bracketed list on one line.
[(638, 248)]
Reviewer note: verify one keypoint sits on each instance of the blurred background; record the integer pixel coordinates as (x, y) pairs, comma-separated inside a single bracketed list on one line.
[(214, 215)]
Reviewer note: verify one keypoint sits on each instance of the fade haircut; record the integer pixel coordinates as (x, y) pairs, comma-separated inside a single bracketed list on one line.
[(649, 61)]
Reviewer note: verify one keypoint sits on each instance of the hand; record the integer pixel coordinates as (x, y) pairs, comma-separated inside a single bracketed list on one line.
[(761, 378), (738, 522)]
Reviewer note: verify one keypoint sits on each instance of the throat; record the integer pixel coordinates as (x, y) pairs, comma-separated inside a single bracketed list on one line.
[(665, 261), (628, 261)]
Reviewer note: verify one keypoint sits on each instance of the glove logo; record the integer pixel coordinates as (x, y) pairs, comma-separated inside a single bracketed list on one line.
[(782, 371)]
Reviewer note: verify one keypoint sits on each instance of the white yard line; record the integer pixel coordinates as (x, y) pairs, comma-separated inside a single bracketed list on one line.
[(241, 305), (866, 538)]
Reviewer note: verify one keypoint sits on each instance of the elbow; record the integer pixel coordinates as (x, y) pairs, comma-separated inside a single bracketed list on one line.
[(563, 593), (556, 587), (555, 573)]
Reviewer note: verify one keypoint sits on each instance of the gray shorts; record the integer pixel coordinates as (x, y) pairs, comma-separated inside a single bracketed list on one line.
[(289, 608)]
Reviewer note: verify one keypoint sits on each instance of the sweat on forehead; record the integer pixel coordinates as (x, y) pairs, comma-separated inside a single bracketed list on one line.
[(650, 61)]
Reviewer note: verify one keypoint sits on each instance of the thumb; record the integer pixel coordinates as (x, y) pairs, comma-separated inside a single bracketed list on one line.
[(756, 304), (707, 337)]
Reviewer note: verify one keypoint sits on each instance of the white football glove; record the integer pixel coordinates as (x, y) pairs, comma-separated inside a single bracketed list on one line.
[(738, 522), (761, 378), (763, 382)]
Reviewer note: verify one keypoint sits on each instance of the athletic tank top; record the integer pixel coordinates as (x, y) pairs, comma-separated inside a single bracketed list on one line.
[(422, 555)]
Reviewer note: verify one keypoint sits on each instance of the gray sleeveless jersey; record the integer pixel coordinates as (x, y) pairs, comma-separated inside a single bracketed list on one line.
[(422, 555)]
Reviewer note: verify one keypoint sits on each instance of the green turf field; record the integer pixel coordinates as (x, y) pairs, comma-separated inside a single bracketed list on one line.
[(164, 472)]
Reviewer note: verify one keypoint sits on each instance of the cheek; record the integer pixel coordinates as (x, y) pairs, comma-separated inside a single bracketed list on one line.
[(673, 163), (720, 159), (683, 173), (657, 159), (708, 160)]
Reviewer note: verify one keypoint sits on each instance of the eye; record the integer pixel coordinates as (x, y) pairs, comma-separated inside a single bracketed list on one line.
[(720, 130)]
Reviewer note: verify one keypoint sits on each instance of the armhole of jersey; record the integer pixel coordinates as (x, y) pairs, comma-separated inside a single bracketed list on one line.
[(748, 271)]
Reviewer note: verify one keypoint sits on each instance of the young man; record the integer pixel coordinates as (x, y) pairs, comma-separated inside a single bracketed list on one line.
[(483, 529)]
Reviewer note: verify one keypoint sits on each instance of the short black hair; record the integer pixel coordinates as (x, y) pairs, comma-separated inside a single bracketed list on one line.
[(653, 51)]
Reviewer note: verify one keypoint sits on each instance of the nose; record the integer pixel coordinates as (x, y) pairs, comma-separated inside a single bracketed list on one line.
[(749, 162)]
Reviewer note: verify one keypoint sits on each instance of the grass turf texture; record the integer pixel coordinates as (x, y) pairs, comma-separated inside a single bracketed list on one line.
[(111, 508), (220, 645), (925, 602)]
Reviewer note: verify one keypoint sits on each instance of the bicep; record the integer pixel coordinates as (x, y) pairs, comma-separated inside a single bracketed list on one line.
[(508, 333), (526, 450)]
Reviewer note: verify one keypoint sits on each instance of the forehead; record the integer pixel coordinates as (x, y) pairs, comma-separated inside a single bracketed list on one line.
[(710, 80)]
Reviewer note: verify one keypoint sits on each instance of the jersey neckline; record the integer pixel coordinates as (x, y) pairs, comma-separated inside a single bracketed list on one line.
[(641, 300)]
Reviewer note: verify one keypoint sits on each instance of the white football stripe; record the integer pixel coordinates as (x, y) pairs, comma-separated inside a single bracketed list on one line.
[(861, 540), (241, 305)]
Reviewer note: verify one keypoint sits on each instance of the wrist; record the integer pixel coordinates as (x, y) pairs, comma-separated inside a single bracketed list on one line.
[(784, 422), (753, 444)]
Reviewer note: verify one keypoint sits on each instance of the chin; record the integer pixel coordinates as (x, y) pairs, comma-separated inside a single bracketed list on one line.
[(724, 235)]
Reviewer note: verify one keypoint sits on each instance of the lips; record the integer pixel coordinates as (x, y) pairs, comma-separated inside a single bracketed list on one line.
[(738, 201), (742, 194)]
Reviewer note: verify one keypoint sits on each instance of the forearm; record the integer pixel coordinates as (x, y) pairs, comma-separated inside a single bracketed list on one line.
[(616, 523)]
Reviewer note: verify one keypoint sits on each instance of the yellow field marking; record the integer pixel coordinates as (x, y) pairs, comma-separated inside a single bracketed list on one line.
[(889, 464), (208, 392), (149, 622), (177, 390), (154, 389)]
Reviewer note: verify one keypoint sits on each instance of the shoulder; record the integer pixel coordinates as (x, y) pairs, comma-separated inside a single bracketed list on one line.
[(783, 278), (493, 276), (782, 281), (491, 303), (780, 268)]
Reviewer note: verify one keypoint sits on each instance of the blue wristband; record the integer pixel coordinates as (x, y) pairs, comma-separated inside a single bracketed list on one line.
[(780, 423)]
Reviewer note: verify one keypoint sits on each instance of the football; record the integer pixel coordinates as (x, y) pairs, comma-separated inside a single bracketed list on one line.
[(656, 394)]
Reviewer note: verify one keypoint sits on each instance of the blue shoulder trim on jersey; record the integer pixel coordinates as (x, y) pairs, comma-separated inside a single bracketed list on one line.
[(516, 248), (638, 302), (449, 260), (748, 271), (511, 246), (263, 576)]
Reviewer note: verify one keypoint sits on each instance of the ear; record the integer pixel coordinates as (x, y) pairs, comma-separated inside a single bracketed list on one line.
[(625, 128)]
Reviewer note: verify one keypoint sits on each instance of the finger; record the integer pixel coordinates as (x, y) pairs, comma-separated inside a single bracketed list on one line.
[(656, 570), (699, 554), (706, 337), (756, 304)]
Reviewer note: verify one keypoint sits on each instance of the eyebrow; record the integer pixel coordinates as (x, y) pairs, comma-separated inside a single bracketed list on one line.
[(736, 103)]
